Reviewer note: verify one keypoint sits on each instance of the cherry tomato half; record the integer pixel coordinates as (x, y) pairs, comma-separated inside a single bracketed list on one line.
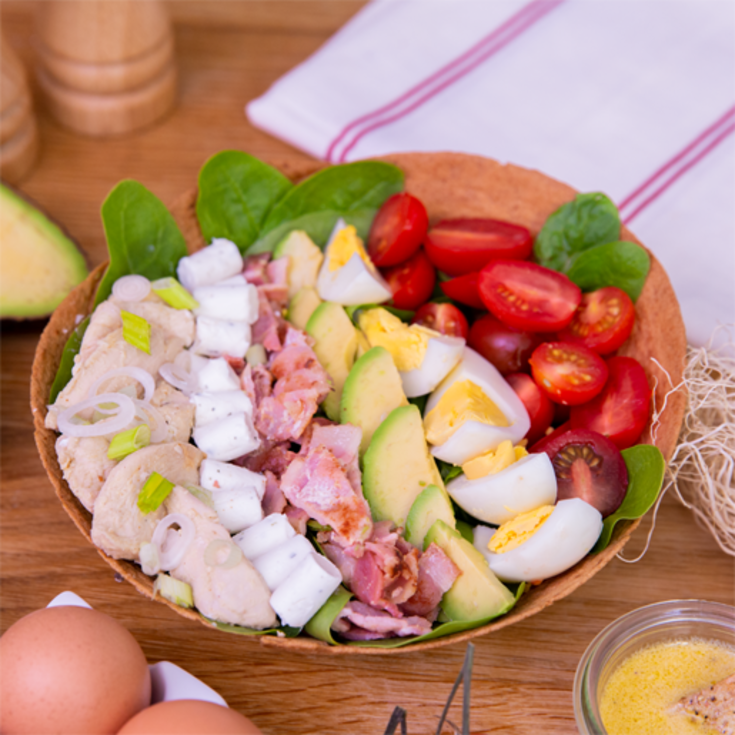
[(541, 444), (444, 318), (620, 411), (540, 408), (464, 290), (459, 246), (412, 282), (507, 348), (528, 296), (567, 373), (603, 320), (398, 230)]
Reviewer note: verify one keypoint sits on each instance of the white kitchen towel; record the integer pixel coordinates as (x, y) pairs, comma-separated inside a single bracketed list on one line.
[(635, 98)]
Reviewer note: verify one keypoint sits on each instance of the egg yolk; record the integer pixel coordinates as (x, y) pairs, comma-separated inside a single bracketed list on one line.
[(493, 461), (343, 246), (463, 401), (517, 531), (407, 343)]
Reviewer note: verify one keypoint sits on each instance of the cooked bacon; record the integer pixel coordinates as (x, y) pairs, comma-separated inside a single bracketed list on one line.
[(274, 501), (266, 329), (372, 624), (285, 417), (437, 573), (297, 518), (342, 560), (255, 268), (236, 363), (277, 271), (272, 456), (343, 440)]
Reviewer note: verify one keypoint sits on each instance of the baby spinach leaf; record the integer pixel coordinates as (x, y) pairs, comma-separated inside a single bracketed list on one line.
[(71, 348), (646, 467), (236, 192), (320, 626), (353, 191), (283, 630), (591, 219), (622, 264), (142, 236)]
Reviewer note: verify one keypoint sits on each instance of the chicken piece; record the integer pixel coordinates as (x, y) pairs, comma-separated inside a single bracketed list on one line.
[(713, 706), (176, 409), (231, 594), (85, 465), (118, 525), (175, 322)]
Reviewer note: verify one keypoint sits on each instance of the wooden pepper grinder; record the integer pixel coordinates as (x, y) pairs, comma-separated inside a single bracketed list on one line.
[(18, 130), (106, 68)]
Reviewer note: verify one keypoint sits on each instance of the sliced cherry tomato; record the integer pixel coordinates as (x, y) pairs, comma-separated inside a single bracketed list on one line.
[(444, 318), (464, 289), (398, 230), (567, 373), (620, 411), (540, 408), (590, 467), (507, 348), (412, 282), (459, 246), (528, 296), (602, 322), (541, 444)]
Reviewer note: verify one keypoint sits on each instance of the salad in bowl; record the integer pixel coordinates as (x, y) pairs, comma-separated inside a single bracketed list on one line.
[(355, 408)]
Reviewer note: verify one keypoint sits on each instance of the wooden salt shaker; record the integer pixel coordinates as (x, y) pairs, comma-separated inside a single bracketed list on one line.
[(106, 68), (18, 130)]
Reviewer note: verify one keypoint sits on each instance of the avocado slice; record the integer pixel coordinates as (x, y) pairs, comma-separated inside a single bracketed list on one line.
[(477, 593), (397, 466), (372, 390), (335, 346), (431, 504), (304, 260), (40, 264), (302, 306)]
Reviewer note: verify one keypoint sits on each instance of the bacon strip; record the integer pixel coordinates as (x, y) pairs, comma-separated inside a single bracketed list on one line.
[(371, 624)]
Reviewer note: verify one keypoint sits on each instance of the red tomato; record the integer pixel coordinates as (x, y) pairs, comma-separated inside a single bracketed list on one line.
[(444, 318), (459, 246), (464, 290), (528, 296), (412, 282), (540, 408), (541, 444), (620, 411), (602, 322), (567, 373), (398, 229), (507, 348)]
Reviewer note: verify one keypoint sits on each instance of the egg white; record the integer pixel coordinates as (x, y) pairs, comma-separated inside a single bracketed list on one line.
[(527, 484), (473, 438), (566, 537), (442, 354)]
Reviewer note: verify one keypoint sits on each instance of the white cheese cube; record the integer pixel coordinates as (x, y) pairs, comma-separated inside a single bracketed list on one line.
[(231, 303), (265, 535), (209, 265), (214, 475), (228, 438), (217, 337)]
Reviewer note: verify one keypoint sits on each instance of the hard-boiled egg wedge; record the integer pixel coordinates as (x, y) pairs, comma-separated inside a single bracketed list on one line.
[(497, 497), (347, 276), (544, 542), (472, 411), (422, 356)]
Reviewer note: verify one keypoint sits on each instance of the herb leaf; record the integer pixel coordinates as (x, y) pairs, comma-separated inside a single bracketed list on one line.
[(646, 466), (236, 192), (622, 264), (591, 219), (320, 625), (71, 348), (353, 191)]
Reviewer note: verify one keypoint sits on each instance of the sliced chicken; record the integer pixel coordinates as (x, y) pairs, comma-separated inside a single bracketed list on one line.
[(175, 322), (176, 409), (85, 465), (118, 525), (233, 594)]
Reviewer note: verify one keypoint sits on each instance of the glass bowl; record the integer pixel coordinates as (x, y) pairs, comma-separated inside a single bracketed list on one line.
[(673, 619)]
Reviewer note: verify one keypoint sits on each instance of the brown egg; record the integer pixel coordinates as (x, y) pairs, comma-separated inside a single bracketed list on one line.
[(70, 670), (189, 717)]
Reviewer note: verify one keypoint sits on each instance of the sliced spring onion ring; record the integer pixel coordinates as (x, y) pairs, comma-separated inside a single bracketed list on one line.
[(131, 288), (136, 331), (172, 544), (142, 376), (148, 414), (214, 552), (174, 294), (178, 377), (174, 590), (155, 490), (201, 493), (119, 419), (127, 442)]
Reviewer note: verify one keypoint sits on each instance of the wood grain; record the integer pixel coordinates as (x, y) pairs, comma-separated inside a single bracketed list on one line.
[(523, 674)]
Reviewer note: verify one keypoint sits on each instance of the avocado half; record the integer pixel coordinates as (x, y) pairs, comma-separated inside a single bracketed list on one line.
[(39, 263)]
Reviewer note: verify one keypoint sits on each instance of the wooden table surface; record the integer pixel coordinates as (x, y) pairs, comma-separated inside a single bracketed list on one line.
[(229, 53)]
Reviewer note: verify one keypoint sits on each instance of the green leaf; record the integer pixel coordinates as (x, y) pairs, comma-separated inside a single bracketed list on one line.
[(622, 264), (142, 236), (320, 625), (646, 468), (591, 219), (284, 631), (236, 193), (447, 470), (71, 349), (354, 312), (353, 191)]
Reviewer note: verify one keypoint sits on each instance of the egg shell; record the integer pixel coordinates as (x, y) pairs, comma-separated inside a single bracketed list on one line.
[(189, 717), (70, 669)]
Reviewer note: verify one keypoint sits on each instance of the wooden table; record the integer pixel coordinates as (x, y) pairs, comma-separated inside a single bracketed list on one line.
[(228, 53)]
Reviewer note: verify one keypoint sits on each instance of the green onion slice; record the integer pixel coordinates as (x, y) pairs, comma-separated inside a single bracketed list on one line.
[(136, 331), (174, 294), (127, 442), (156, 489), (174, 590)]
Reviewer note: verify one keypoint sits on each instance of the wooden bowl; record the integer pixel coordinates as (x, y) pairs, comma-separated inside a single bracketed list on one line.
[(450, 185)]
